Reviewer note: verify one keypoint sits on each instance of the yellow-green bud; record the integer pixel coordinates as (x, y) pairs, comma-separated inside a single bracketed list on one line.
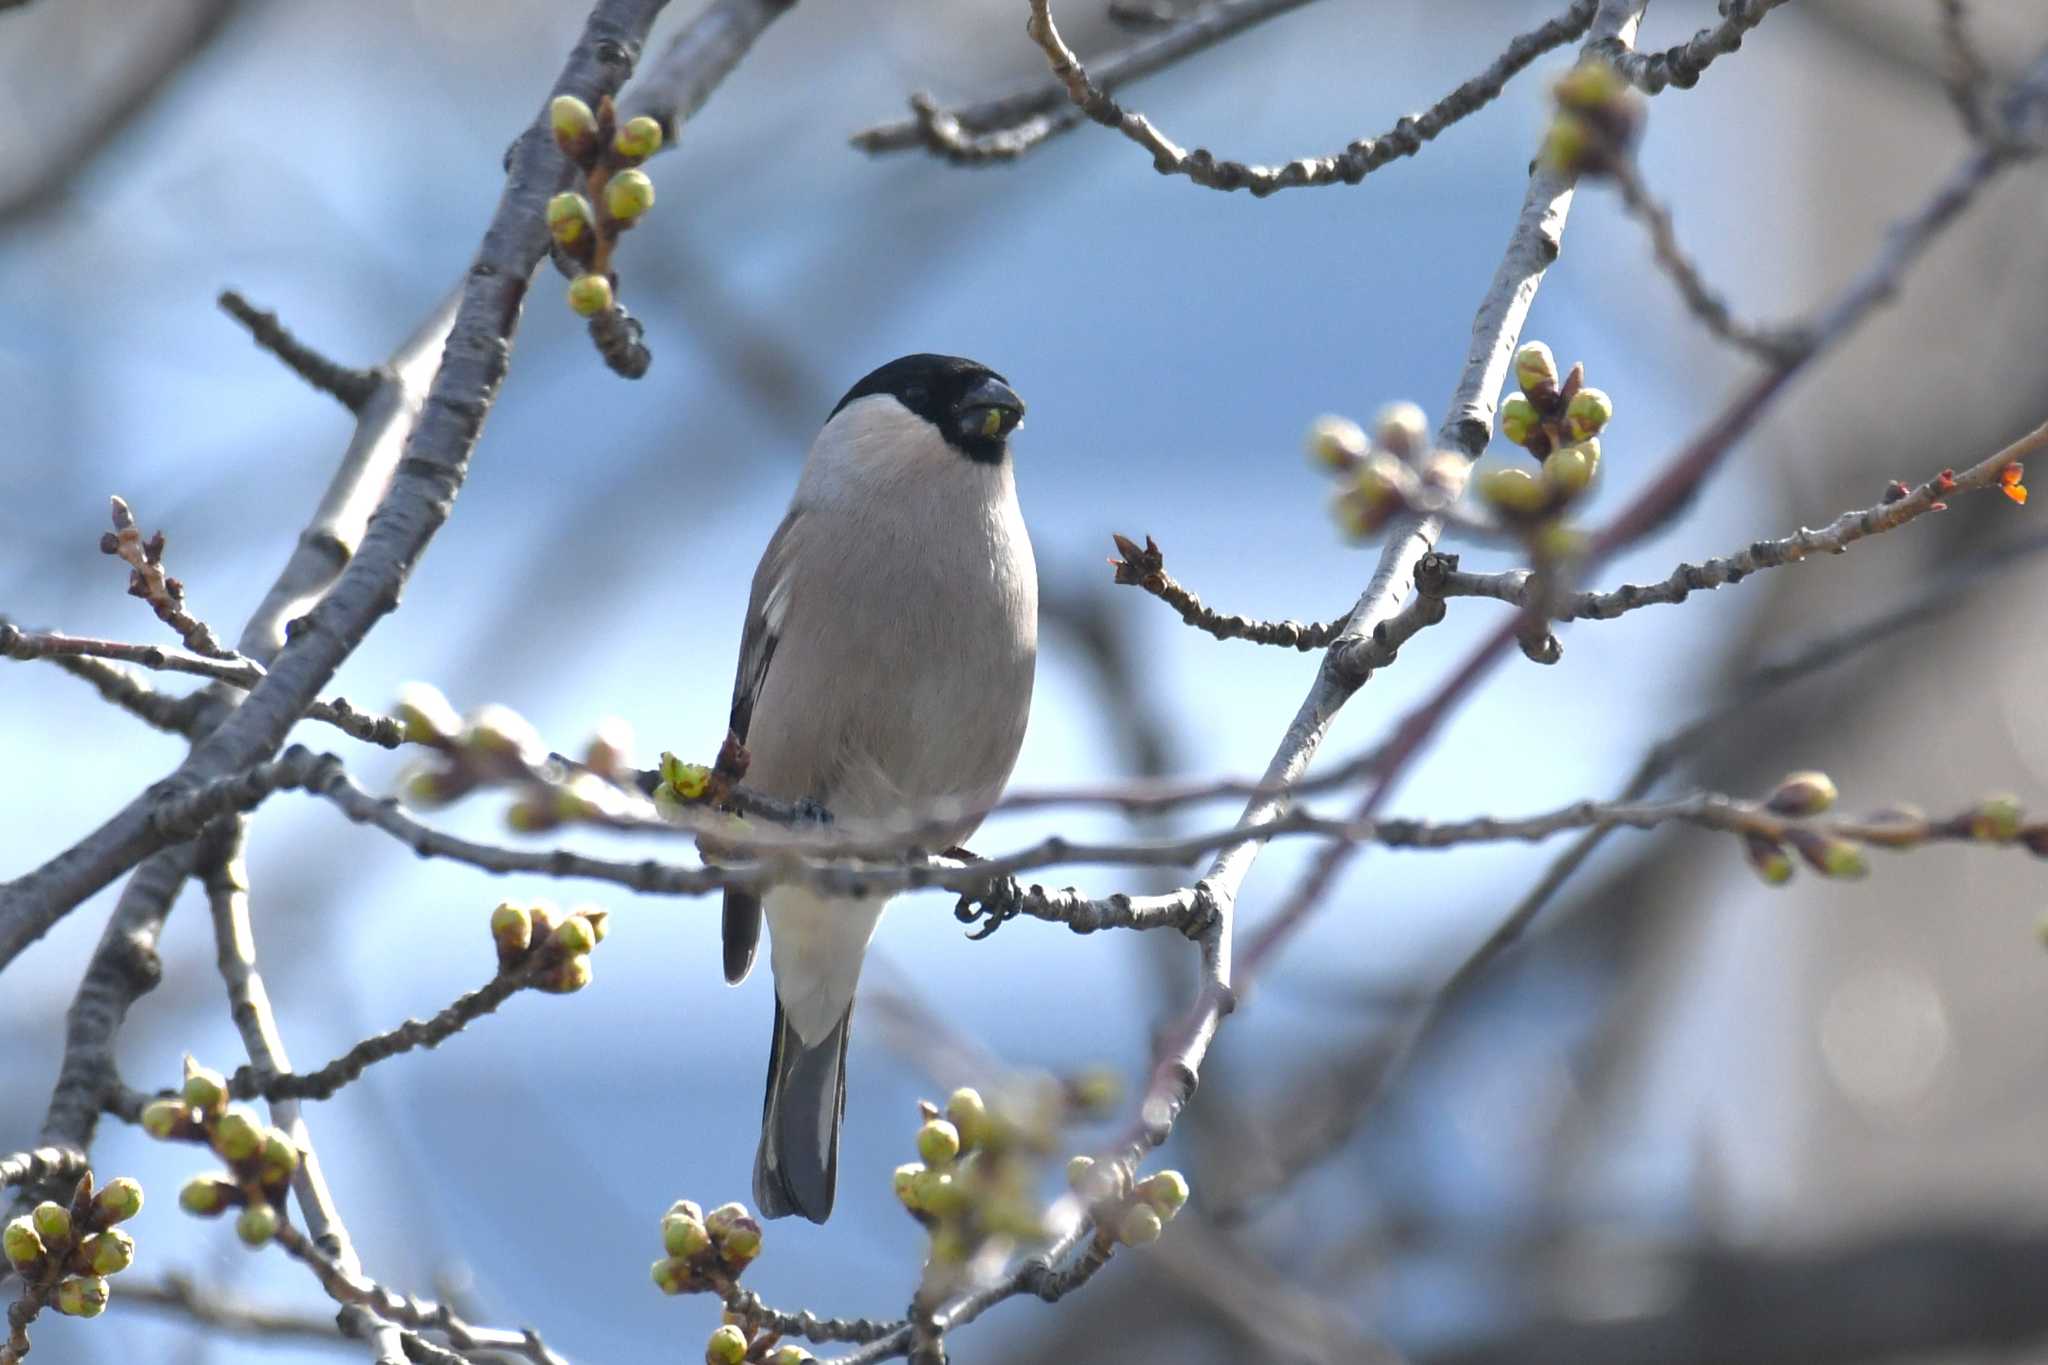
[(427, 785), (589, 295), (1831, 856), (208, 1195), (1336, 442), (511, 929), (1518, 418), (568, 976), (23, 1245), (280, 1157), (1138, 1225), (1587, 413), (969, 1117), (574, 935), (428, 716), (682, 1235), (53, 1223), (686, 1208), (937, 1193), (109, 1252), (728, 1346), (1768, 858), (596, 918), (610, 748), (938, 1142), (735, 1233), (628, 194), (671, 1275), (574, 126), (1996, 819), (1590, 85), (237, 1135), (542, 913), (788, 1354), (638, 138), (687, 780), (1535, 369), (1165, 1191), (1514, 492), (1401, 429), (1567, 143), (570, 218), (257, 1224), (81, 1296), (205, 1090), (1803, 794), (119, 1201), (165, 1118), (1096, 1089), (498, 731), (904, 1182), (1569, 469)]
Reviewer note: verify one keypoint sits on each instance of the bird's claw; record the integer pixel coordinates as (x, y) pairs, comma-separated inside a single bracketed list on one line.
[(995, 905)]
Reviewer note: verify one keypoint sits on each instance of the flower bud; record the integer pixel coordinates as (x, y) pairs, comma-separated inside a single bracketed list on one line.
[(1518, 418), (498, 732), (1568, 143), (52, 1223), (568, 976), (280, 1159), (611, 746), (728, 1346), (904, 1182), (1569, 469), (2009, 483), (1165, 1191), (687, 780), (1587, 413), (573, 935), (735, 1233), (671, 1275), (511, 930), (790, 1354), (1336, 442), (427, 715), (1513, 492), (209, 1195), (81, 1296), (205, 1090), (237, 1135), (1996, 820), (937, 1193), (1592, 85), (589, 295), (574, 126), (683, 1235), (598, 920), (109, 1252), (119, 1201), (165, 1119), (938, 1142), (1769, 859), (571, 220), (969, 1117), (1535, 369), (1827, 854), (426, 786), (1402, 430), (1139, 1225), (1802, 794), (1081, 1174), (628, 194), (23, 1245), (637, 138), (257, 1224)]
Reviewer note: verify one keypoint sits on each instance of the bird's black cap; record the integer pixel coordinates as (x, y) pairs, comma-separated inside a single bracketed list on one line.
[(973, 407)]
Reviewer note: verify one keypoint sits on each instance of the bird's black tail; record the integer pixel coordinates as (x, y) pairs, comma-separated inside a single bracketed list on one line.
[(797, 1166)]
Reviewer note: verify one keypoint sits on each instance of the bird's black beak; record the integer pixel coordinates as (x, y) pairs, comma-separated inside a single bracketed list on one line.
[(989, 411)]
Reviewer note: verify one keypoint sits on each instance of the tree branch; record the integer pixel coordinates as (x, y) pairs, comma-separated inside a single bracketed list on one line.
[(1681, 66), (352, 388)]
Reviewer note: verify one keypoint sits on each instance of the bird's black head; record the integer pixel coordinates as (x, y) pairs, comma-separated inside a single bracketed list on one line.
[(972, 406)]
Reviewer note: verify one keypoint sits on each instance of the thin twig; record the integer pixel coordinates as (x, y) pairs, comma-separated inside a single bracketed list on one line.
[(352, 387), (178, 1293), (1681, 66), (1146, 568)]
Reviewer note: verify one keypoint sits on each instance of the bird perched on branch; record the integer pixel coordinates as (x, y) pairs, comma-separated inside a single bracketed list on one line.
[(885, 673)]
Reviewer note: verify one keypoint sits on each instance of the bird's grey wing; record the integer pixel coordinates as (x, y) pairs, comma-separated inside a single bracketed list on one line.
[(766, 606)]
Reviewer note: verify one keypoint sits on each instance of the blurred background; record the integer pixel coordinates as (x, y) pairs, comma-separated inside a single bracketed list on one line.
[(1692, 1119)]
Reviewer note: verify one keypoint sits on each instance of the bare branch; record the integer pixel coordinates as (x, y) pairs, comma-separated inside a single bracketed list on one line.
[(130, 692), (43, 1163), (1146, 569), (177, 1293), (1681, 66), (351, 387), (1964, 74)]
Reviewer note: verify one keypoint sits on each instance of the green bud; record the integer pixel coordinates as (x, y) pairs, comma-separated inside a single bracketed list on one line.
[(1401, 430), (109, 1252), (1588, 412), (589, 295), (1569, 469), (1518, 418), (1827, 854), (672, 1275), (1535, 369), (628, 194), (597, 919), (682, 1235), (499, 732), (81, 1296), (969, 1117), (257, 1224), (1096, 1090), (574, 126), (938, 1142), (428, 785), (937, 1193), (1996, 820), (1513, 492), (427, 715), (568, 976), (728, 1346), (573, 935), (1567, 143), (165, 1119), (237, 1135), (280, 1157), (571, 221), (1165, 1191), (686, 1208), (1802, 794), (735, 1233), (208, 1195), (511, 930), (1592, 85), (789, 1354), (638, 138), (1768, 858), (23, 1245), (205, 1090), (1336, 442), (904, 1182), (1139, 1225), (53, 1223), (119, 1201)]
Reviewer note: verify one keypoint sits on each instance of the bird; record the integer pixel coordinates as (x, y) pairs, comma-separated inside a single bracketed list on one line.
[(885, 672)]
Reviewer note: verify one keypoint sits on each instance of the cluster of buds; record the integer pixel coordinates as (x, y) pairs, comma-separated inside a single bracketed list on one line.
[(1557, 421), (1127, 1211), (586, 226), (732, 1343), (556, 947), (1803, 795), (496, 746), (261, 1160), (974, 1185), (1598, 117), (1394, 470), (66, 1251)]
